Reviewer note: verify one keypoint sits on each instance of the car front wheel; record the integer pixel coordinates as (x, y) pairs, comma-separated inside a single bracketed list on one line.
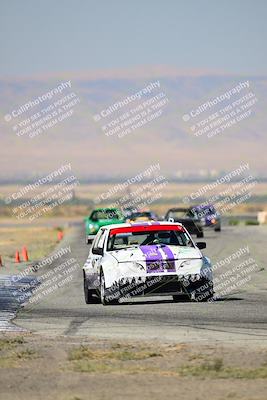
[(203, 292), (88, 241), (105, 297), (103, 290)]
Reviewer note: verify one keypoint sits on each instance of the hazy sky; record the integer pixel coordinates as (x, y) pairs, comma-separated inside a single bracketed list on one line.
[(53, 36)]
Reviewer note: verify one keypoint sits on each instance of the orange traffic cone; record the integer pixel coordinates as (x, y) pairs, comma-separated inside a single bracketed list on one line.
[(17, 258), (60, 235), (25, 253), (1, 263)]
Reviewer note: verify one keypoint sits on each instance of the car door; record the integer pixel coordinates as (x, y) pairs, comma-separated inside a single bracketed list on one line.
[(98, 249)]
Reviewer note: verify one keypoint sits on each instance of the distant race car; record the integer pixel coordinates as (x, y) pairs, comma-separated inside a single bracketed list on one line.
[(139, 216), (127, 211), (188, 217), (148, 259), (100, 217), (208, 216)]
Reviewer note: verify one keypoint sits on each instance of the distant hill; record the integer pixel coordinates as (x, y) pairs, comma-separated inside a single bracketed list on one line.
[(167, 139)]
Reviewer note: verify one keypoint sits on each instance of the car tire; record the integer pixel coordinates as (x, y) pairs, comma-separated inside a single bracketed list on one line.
[(103, 292), (88, 294), (181, 298), (206, 294), (200, 234)]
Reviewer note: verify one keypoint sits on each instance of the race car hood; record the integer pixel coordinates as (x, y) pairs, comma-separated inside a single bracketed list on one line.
[(155, 252)]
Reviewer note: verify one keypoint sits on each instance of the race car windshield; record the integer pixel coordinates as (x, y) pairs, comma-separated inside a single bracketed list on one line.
[(104, 214), (124, 240), (176, 214), (204, 211), (140, 215)]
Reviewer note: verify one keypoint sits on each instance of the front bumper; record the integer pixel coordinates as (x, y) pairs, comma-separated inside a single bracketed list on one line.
[(91, 237), (164, 285)]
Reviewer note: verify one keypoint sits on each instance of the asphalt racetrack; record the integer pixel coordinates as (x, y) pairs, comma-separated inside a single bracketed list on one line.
[(237, 317)]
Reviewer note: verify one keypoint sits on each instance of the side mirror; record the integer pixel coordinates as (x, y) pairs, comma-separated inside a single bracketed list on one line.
[(98, 251), (201, 245)]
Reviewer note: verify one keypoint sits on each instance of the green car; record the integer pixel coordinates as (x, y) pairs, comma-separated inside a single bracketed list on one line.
[(100, 217)]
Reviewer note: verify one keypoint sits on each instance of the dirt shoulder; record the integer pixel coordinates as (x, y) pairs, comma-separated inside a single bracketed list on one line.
[(17, 280), (39, 241), (34, 367)]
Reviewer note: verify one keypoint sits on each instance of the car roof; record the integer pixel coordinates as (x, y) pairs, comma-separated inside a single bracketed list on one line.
[(204, 206), (105, 208), (143, 212), (179, 209), (136, 224)]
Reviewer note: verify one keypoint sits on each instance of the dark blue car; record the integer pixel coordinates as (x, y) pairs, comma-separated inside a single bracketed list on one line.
[(208, 216)]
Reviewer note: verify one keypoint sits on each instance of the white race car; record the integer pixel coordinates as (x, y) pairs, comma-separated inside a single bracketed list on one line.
[(146, 259)]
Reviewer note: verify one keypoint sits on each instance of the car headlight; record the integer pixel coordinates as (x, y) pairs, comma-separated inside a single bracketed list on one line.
[(92, 228), (193, 265), (185, 263), (133, 266), (139, 266)]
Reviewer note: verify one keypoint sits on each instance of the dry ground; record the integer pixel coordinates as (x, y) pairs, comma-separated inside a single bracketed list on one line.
[(39, 240), (68, 368)]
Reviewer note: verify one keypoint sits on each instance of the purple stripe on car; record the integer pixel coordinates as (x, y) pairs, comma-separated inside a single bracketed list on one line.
[(154, 260), (170, 258)]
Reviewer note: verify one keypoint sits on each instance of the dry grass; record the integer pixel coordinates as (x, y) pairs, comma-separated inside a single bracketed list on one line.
[(39, 241), (13, 351), (10, 343), (216, 370), (118, 358), (122, 353), (125, 359)]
